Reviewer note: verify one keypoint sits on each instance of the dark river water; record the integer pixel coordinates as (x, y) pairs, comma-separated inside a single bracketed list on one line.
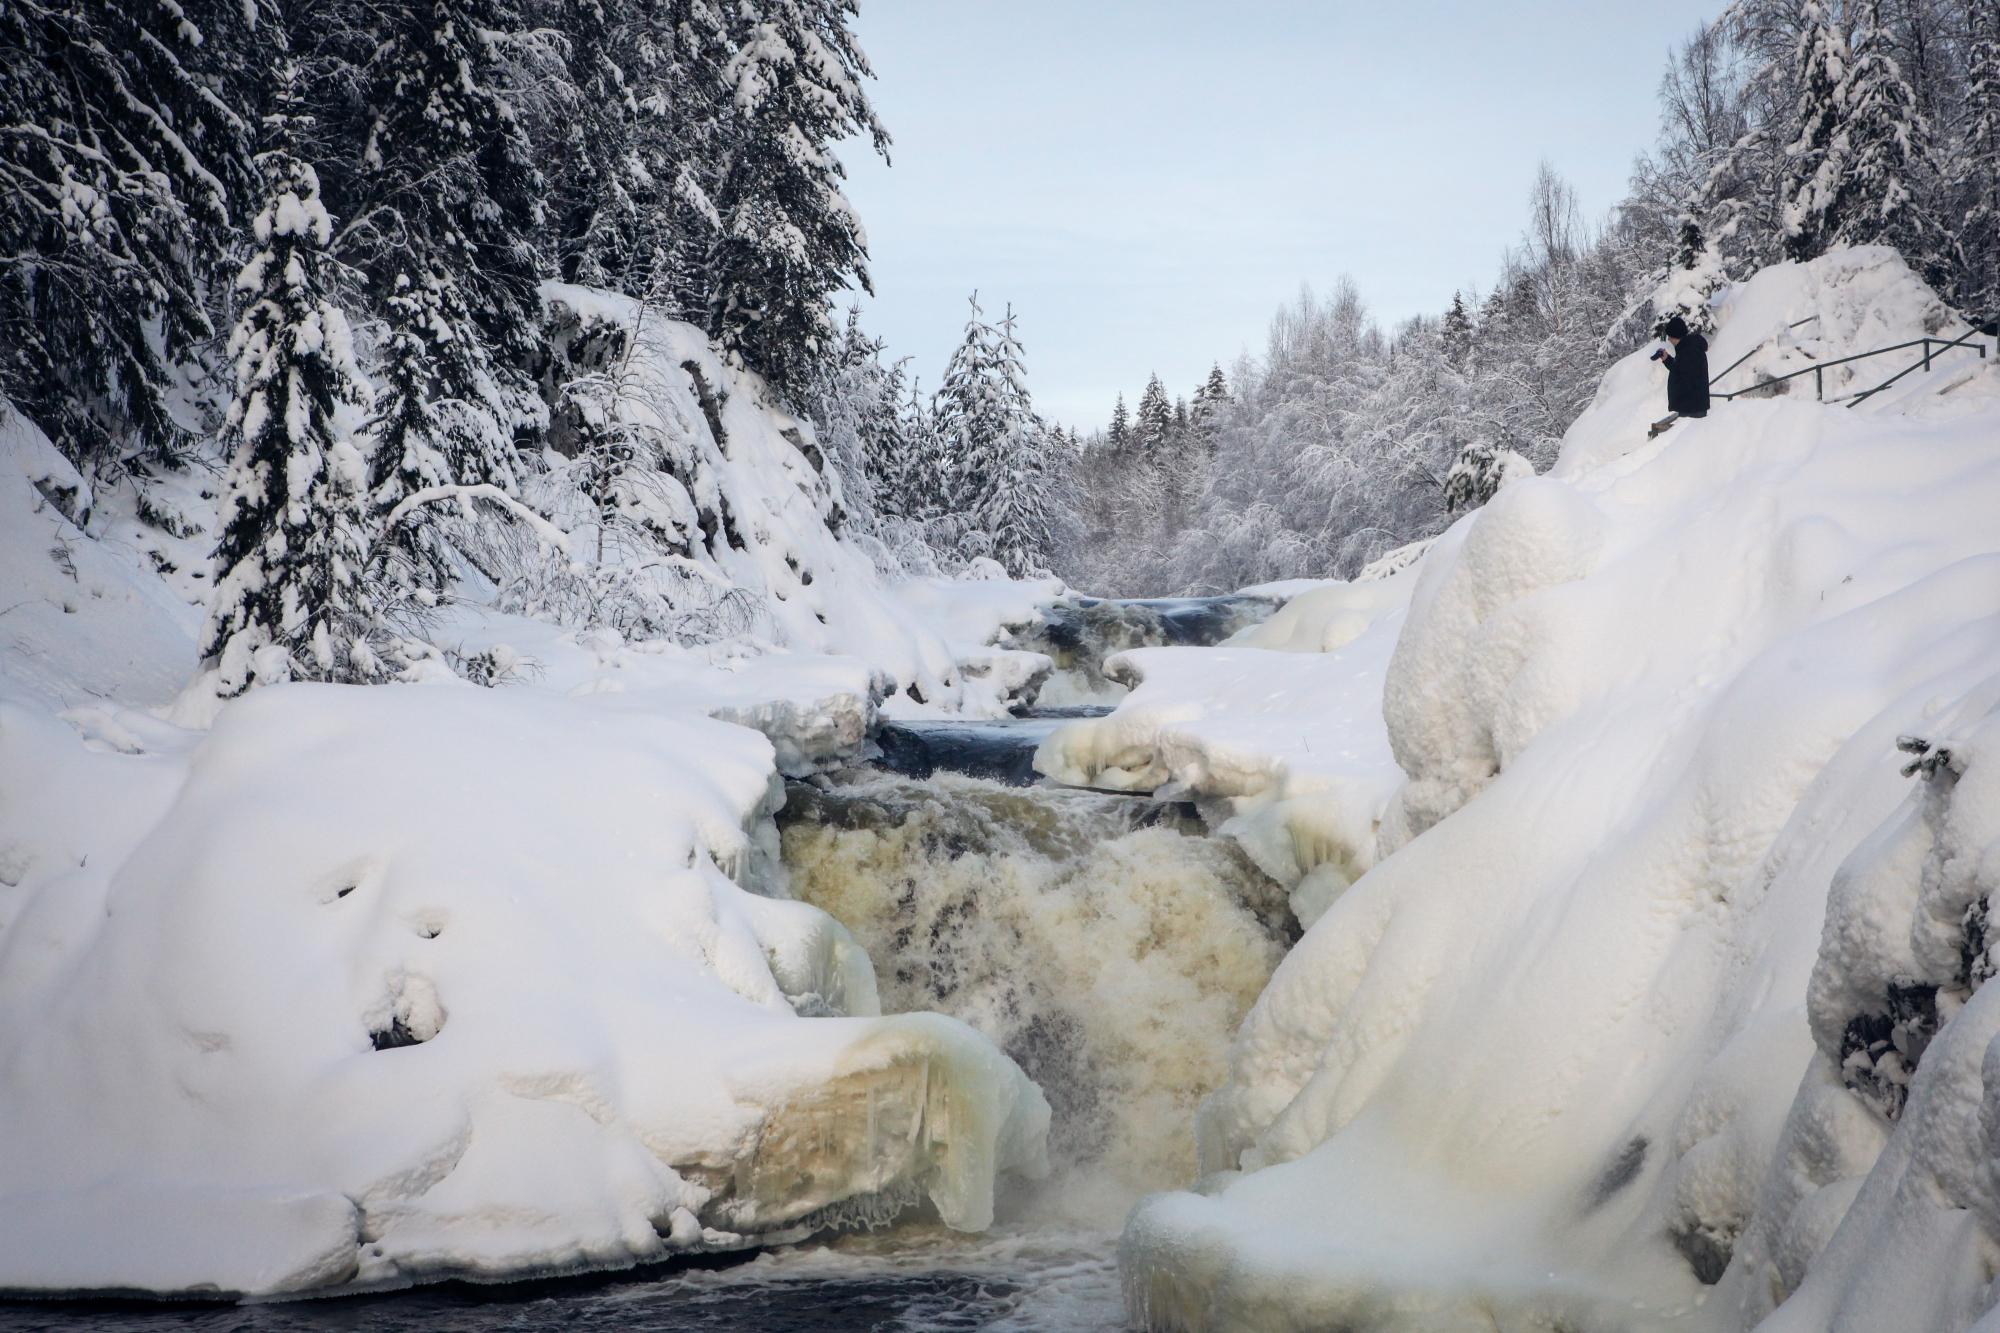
[(913, 1279)]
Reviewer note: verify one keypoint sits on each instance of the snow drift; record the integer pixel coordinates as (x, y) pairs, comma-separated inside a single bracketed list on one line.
[(1536, 1067), (371, 985)]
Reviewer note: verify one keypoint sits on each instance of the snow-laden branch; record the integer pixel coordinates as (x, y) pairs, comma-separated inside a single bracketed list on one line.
[(542, 528)]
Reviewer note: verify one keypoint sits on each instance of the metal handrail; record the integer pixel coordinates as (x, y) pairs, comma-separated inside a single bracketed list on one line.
[(1717, 379), (1818, 370), (1974, 332)]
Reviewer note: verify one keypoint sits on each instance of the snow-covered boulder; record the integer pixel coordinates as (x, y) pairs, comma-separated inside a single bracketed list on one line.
[(369, 986), (1536, 1067)]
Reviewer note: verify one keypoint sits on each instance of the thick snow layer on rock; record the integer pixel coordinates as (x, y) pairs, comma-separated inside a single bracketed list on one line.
[(366, 986), (1538, 1066), (1279, 732)]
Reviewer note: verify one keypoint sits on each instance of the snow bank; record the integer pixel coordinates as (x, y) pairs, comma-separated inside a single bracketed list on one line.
[(1537, 1066), (368, 986), (1278, 732)]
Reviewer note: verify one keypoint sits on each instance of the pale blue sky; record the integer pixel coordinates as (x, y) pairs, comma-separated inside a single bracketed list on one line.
[(1146, 180)]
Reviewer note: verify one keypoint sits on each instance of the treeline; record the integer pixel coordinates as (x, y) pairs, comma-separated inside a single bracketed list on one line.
[(1787, 127), (968, 473), (319, 226)]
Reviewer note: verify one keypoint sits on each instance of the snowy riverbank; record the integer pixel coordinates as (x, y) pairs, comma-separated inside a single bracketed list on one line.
[(1617, 1028)]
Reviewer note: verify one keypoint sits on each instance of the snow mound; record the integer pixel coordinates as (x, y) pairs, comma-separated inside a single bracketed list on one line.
[(371, 986), (1543, 1053), (1278, 733)]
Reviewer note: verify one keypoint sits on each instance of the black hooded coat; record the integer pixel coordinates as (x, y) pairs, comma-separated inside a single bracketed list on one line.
[(1687, 377)]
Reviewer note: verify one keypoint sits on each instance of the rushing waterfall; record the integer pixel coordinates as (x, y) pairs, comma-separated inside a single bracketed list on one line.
[(1105, 942)]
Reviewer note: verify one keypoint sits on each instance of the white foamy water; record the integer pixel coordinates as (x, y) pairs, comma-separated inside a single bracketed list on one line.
[(1105, 943)]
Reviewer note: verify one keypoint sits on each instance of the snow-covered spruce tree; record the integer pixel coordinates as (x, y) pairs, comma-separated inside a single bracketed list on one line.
[(1119, 436), (854, 402), (412, 557), (1974, 188), (1693, 276), (996, 448), (290, 597), (922, 496), (634, 147), (1730, 102), (445, 207), (1816, 157), (121, 170), (1887, 163), (789, 238), (1211, 397), (1155, 420)]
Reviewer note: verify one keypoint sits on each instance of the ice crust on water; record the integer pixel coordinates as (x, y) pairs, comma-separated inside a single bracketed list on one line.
[(1652, 928)]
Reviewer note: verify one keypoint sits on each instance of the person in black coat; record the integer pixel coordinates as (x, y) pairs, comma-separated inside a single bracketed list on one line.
[(1687, 369)]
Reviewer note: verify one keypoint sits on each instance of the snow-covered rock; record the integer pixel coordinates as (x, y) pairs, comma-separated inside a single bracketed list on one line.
[(367, 986), (1537, 1066)]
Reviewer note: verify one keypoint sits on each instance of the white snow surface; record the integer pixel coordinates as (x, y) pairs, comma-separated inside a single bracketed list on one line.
[(606, 1056), (1639, 852)]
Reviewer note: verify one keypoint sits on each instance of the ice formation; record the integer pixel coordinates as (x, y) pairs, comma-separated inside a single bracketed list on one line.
[(1658, 1001)]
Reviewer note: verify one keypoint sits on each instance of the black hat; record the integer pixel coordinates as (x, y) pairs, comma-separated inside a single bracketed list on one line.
[(1674, 328)]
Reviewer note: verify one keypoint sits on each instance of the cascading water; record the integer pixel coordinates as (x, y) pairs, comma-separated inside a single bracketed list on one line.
[(1105, 942)]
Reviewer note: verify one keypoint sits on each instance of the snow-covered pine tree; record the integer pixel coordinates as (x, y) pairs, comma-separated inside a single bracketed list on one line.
[(121, 171), (448, 202), (1155, 419), (996, 447), (1119, 437), (1693, 276), (1814, 158), (290, 595), (1887, 163), (1975, 165), (789, 238)]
